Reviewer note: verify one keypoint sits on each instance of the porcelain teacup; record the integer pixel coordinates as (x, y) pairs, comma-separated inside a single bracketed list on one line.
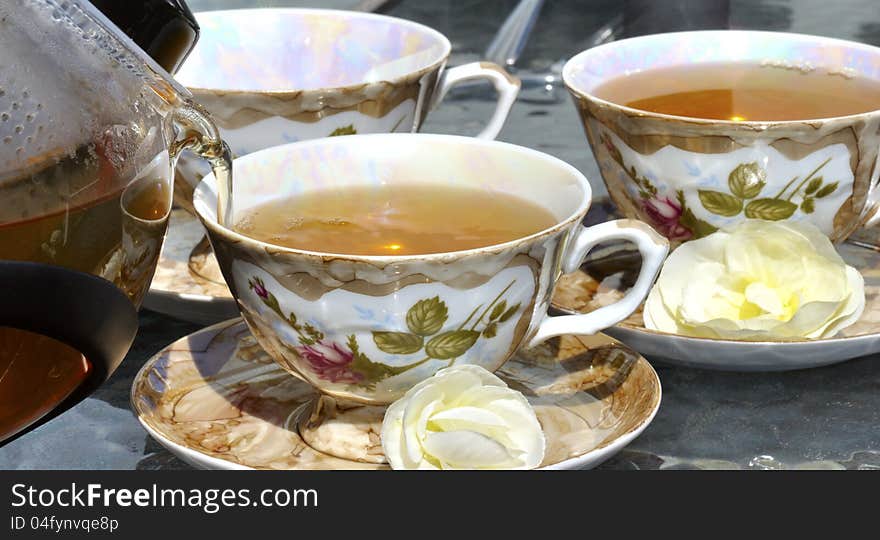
[(690, 176), (367, 328), (277, 75)]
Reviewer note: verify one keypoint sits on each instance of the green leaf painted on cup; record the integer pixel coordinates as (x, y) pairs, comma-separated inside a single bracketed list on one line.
[(427, 317), (372, 372), (808, 205), (813, 186), (491, 330), (827, 190), (451, 344), (746, 181), (398, 342), (697, 226), (770, 209), (344, 130), (611, 147), (498, 310), (720, 203), (509, 313)]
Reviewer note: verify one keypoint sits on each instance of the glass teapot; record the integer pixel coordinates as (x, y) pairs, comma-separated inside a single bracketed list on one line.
[(90, 129)]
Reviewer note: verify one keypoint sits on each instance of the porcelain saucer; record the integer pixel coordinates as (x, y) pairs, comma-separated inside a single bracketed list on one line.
[(217, 401), (607, 275), (187, 283)]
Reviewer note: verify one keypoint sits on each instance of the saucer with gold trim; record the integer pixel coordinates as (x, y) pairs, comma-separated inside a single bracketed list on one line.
[(216, 400)]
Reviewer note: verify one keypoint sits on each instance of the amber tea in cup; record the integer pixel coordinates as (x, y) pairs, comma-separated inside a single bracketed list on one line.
[(735, 91), (409, 219)]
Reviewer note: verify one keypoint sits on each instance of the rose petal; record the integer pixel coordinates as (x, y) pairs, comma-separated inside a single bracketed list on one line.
[(415, 419), (498, 431), (468, 450), (679, 266), (393, 443), (810, 318), (656, 315), (817, 240), (528, 437), (464, 417), (484, 376), (702, 298), (770, 300), (852, 310)]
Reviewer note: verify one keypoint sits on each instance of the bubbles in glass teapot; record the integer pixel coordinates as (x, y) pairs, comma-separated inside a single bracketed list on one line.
[(85, 172)]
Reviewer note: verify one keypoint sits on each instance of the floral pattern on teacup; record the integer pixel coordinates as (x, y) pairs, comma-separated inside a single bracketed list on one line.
[(667, 212), (688, 195), (371, 341), (337, 363)]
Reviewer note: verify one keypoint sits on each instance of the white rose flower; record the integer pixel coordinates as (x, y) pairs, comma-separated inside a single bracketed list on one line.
[(463, 417), (759, 281)]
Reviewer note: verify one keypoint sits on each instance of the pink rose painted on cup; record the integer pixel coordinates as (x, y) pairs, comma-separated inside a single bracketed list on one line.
[(665, 214), (330, 361)]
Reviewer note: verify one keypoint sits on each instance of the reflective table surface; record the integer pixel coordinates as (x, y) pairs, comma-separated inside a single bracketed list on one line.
[(819, 418)]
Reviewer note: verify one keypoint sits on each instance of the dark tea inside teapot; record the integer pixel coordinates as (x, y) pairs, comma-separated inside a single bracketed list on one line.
[(80, 212)]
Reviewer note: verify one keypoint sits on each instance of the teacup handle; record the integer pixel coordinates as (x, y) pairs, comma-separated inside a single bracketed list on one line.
[(653, 248), (505, 84)]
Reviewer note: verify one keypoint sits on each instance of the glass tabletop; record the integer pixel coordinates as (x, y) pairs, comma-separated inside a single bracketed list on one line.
[(818, 418)]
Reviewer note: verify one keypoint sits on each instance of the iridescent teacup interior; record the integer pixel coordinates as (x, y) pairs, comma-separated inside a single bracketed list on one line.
[(289, 170), (590, 69), (298, 49)]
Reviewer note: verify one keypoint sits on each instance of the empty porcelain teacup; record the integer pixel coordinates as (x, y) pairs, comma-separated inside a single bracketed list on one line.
[(368, 327), (688, 176), (274, 76)]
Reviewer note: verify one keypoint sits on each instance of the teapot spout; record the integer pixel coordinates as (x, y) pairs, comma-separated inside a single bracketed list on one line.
[(197, 132)]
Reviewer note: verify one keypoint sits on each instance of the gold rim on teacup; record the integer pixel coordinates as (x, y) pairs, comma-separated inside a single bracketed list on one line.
[(654, 164), (366, 328)]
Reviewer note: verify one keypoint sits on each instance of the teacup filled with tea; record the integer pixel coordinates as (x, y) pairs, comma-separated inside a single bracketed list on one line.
[(698, 131), (365, 264)]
